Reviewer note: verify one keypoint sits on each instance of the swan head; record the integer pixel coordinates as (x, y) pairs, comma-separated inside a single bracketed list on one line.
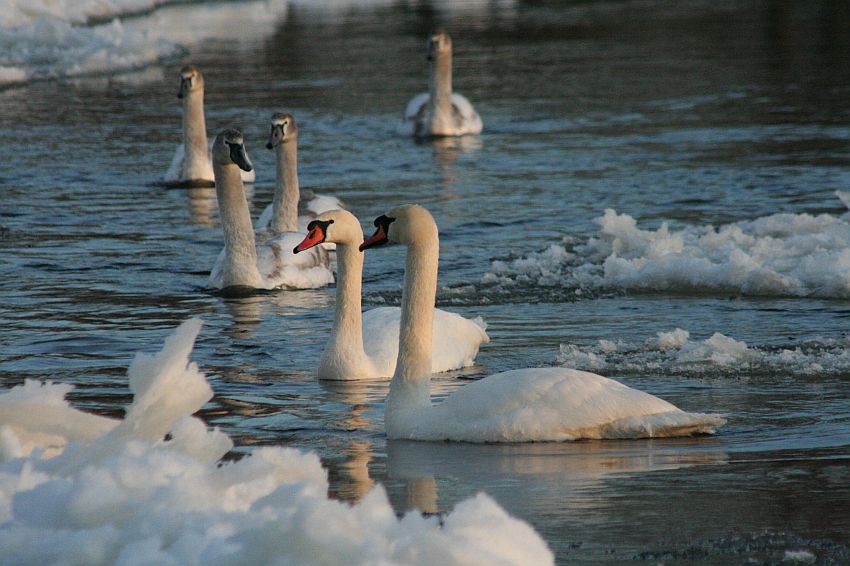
[(191, 80), (337, 226), (284, 129), (408, 225), (439, 44), (229, 148)]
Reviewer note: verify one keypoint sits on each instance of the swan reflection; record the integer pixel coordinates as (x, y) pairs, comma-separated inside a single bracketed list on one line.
[(530, 476), (447, 151)]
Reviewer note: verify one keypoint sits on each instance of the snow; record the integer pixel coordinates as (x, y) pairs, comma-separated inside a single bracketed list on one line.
[(152, 489)]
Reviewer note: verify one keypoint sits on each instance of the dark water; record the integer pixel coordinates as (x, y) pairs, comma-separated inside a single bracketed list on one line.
[(689, 112)]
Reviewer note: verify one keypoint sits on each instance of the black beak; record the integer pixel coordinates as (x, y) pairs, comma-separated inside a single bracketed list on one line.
[(240, 157), (269, 145), (182, 86)]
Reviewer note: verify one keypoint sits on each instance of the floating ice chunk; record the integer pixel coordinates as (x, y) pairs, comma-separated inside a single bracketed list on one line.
[(124, 492), (801, 556), (674, 353), (572, 356), (718, 349), (778, 255), (672, 340)]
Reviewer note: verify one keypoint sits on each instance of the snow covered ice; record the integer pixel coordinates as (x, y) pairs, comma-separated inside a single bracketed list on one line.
[(76, 488), (776, 255)]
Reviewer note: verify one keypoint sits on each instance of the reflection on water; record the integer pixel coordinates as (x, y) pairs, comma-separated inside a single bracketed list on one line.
[(547, 474), (447, 151), (203, 206)]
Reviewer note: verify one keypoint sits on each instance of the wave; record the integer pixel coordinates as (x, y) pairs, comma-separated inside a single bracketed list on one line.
[(786, 255)]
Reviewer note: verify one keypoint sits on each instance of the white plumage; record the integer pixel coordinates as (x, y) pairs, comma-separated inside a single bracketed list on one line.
[(535, 404)]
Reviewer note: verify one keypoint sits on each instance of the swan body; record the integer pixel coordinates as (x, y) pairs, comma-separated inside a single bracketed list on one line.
[(365, 345), (282, 213), (261, 261), (536, 404), (440, 112), (192, 161)]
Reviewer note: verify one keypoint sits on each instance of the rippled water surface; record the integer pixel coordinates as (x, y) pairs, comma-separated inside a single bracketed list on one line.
[(690, 113)]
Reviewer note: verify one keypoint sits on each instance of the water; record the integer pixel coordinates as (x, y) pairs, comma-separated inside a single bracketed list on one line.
[(692, 114)]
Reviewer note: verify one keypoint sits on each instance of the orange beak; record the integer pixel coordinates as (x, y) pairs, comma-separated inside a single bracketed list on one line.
[(315, 237), (378, 238)]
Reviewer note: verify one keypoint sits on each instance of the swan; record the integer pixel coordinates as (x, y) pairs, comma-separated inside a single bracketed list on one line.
[(269, 263), (440, 112), (282, 214), (521, 405), (365, 345), (192, 162)]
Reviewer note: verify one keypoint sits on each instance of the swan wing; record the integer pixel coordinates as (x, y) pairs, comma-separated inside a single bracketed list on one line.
[(455, 344), (555, 404), (281, 268), (467, 119)]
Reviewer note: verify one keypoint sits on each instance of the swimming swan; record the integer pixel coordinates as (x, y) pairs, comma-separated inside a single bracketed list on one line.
[(514, 406), (365, 345), (192, 162), (282, 214), (440, 112), (269, 264)]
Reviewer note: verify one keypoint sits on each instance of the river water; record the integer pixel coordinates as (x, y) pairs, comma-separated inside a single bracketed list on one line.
[(714, 130)]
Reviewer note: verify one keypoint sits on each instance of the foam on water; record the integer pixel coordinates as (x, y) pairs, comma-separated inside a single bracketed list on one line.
[(150, 489), (776, 255), (675, 352)]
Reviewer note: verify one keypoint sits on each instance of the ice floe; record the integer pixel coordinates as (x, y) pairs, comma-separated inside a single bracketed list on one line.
[(58, 39), (676, 352), (776, 255), (76, 488)]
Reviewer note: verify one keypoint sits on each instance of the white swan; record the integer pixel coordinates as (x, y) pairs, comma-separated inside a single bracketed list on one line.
[(513, 406), (270, 264), (192, 162), (440, 112), (365, 345), (282, 214)]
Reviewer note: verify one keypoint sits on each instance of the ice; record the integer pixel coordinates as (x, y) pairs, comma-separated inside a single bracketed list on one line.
[(54, 38), (799, 556), (674, 352), (670, 340), (777, 255), (152, 489)]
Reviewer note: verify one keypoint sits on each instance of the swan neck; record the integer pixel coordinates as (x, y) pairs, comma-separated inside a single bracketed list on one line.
[(411, 383), (287, 192), (195, 141), (440, 91), (348, 316), (240, 262)]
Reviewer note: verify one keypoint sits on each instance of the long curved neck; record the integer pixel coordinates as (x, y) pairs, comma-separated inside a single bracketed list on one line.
[(411, 383), (196, 148), (287, 192), (240, 261), (348, 317), (440, 91)]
